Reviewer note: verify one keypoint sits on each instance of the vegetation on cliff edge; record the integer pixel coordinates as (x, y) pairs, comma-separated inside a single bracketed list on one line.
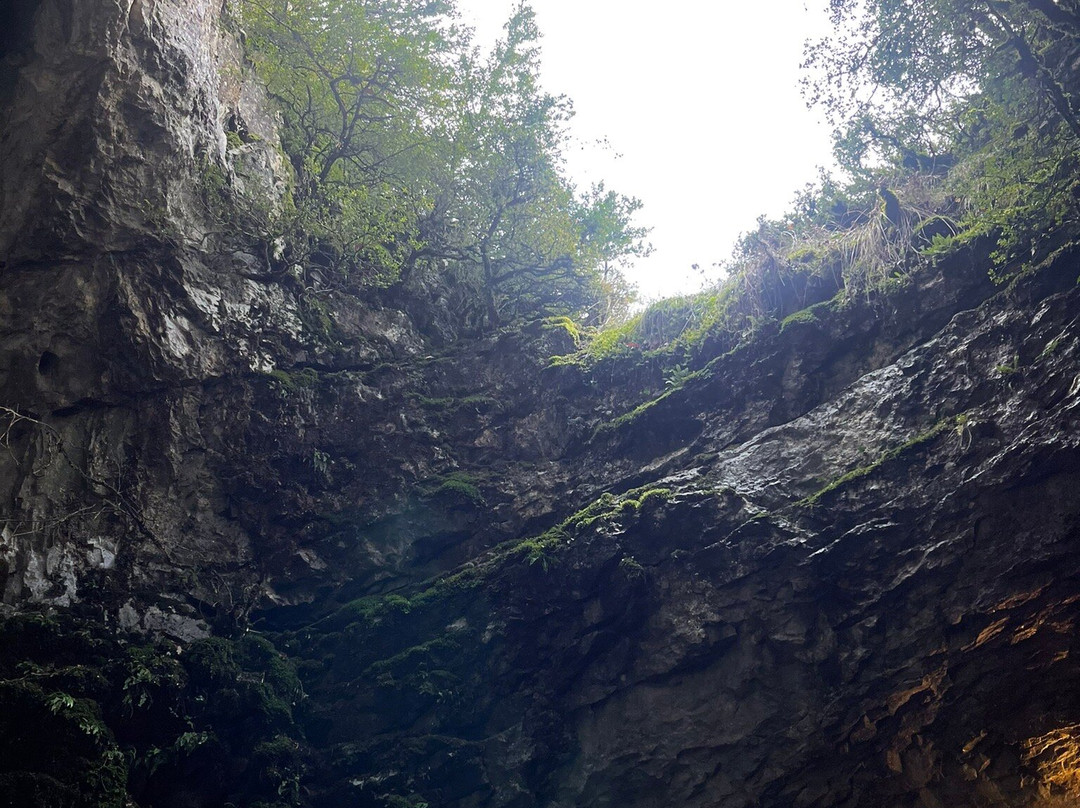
[(414, 153), (956, 124)]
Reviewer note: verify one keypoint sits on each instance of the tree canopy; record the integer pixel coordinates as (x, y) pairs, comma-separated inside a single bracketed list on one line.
[(413, 151), (980, 95), (897, 71)]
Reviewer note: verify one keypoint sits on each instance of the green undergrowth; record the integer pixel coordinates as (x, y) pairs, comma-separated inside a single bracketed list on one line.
[(944, 425), (665, 324), (97, 719), (890, 227), (422, 655)]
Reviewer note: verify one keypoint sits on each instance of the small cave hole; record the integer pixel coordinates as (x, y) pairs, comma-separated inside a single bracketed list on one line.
[(48, 363)]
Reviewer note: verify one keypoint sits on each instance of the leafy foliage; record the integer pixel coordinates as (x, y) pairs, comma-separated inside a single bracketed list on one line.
[(96, 718), (978, 94), (956, 123), (412, 152)]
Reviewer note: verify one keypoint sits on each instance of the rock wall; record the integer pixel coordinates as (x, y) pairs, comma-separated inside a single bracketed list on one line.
[(835, 564), (870, 600)]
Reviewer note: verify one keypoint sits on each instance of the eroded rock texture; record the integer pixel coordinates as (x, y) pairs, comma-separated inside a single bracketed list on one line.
[(836, 565)]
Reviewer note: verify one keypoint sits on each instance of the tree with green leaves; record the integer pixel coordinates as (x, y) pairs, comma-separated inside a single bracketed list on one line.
[(362, 88), (527, 240), (897, 76), (985, 91), (412, 151), (610, 242)]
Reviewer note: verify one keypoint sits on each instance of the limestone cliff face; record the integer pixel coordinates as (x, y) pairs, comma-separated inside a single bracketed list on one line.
[(835, 565)]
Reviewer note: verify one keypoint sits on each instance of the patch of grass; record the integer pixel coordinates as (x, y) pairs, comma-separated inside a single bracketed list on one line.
[(665, 325)]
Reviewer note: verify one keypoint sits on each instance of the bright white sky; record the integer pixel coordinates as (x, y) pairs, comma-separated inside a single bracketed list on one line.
[(700, 103)]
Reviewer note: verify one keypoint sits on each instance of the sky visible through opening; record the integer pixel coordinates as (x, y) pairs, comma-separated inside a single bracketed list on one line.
[(700, 104)]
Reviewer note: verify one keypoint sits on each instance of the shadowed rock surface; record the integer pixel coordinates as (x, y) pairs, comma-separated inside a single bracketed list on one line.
[(834, 565)]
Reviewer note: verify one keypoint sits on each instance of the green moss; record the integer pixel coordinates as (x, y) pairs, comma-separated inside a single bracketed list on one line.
[(296, 380), (887, 456), (458, 488), (368, 611), (434, 403), (654, 496), (637, 499), (819, 312), (450, 586), (1050, 348), (316, 317), (621, 421), (802, 316), (215, 183), (416, 659), (809, 254), (578, 360), (563, 324), (541, 551), (1010, 368)]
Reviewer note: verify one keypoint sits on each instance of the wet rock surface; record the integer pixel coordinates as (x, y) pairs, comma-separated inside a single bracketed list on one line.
[(872, 603), (835, 565)]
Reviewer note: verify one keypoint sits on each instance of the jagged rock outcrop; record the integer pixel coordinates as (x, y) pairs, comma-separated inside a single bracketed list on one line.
[(834, 564), (871, 602)]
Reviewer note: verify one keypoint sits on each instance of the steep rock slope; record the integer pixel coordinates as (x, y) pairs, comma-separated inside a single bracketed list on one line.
[(834, 565), (870, 603)]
